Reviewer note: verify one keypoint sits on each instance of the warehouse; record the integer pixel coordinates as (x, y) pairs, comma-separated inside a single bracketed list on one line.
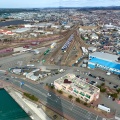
[(104, 61), (21, 30)]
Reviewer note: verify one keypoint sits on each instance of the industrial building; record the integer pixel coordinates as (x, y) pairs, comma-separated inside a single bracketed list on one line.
[(104, 61), (77, 87), (21, 30)]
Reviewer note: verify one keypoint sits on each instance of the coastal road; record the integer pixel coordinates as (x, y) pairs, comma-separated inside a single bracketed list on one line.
[(58, 104)]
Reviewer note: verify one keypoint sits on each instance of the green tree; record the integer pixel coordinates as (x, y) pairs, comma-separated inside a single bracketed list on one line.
[(102, 84), (70, 96), (52, 87), (103, 90), (85, 104), (77, 100), (60, 91), (32, 97), (118, 90), (98, 86), (115, 95)]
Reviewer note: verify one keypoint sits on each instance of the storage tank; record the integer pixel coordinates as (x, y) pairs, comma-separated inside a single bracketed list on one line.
[(53, 45)]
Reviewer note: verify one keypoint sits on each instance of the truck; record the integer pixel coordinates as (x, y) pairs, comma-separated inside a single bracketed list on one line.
[(104, 108), (61, 70)]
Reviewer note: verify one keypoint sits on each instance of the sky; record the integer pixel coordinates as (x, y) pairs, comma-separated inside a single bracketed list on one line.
[(56, 3)]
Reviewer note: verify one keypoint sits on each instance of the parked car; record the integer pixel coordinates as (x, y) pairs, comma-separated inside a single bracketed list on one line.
[(108, 73), (109, 82), (109, 97), (102, 79), (41, 82), (116, 86), (92, 76), (77, 76), (7, 78), (93, 82)]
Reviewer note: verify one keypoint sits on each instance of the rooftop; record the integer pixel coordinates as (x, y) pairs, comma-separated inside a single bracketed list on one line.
[(77, 83), (20, 30), (105, 56)]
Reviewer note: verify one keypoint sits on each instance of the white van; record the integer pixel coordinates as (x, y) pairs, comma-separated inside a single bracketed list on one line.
[(30, 65), (108, 73)]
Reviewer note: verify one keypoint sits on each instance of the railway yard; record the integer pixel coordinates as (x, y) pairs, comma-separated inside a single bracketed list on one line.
[(66, 52)]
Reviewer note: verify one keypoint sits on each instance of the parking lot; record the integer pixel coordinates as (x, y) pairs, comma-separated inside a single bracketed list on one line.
[(110, 81)]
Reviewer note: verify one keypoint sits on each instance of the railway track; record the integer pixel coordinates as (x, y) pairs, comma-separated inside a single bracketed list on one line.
[(66, 55), (58, 51), (79, 51), (50, 59), (83, 44)]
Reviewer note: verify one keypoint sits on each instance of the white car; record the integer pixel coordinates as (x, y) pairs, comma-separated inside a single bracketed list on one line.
[(108, 73)]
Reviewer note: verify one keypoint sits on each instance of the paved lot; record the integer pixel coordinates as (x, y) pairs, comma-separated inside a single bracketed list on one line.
[(11, 61)]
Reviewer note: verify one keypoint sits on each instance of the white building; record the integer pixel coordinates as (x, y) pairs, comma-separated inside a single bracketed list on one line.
[(92, 49), (20, 30), (94, 36), (77, 87)]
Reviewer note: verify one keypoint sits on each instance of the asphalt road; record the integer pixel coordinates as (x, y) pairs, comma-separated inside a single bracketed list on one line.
[(59, 104)]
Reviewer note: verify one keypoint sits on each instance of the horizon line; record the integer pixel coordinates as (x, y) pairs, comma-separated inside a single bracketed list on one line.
[(56, 7)]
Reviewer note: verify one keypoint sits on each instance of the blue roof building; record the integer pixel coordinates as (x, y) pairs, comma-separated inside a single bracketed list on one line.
[(104, 61)]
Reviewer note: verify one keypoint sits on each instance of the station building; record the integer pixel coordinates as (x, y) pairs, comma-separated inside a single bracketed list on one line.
[(104, 61), (77, 87)]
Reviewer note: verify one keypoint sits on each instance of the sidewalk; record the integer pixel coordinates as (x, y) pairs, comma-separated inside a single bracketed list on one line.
[(91, 109), (29, 107)]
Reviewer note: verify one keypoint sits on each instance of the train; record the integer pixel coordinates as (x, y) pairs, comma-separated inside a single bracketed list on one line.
[(66, 45), (53, 45)]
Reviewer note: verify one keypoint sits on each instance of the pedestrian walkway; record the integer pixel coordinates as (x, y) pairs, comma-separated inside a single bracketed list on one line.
[(29, 107)]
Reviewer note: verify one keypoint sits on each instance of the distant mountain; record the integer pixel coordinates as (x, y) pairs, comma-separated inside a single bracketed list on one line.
[(13, 10), (93, 8)]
